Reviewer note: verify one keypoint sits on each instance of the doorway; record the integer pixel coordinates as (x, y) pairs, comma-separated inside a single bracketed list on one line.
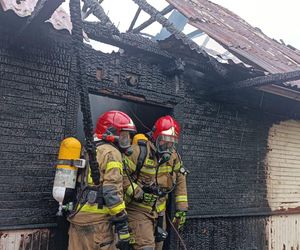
[(143, 115)]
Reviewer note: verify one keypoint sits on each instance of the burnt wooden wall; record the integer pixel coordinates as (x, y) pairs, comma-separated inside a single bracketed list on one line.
[(223, 142), (34, 87)]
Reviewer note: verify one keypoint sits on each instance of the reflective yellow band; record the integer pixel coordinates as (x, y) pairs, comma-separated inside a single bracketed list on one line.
[(177, 166), (149, 162), (161, 207), (181, 198), (129, 190), (151, 171), (129, 163), (165, 169), (69, 167), (114, 164), (124, 236), (117, 209), (94, 209)]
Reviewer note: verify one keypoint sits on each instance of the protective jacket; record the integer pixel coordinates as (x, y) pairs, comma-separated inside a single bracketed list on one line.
[(167, 176), (111, 179)]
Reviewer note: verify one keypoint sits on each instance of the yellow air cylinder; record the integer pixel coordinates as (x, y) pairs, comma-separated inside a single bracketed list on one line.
[(138, 137), (66, 171)]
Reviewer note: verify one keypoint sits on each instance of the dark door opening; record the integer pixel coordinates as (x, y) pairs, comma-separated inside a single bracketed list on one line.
[(143, 115)]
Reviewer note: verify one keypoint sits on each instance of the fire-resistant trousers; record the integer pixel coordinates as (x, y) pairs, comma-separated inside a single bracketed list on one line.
[(91, 237), (142, 230)]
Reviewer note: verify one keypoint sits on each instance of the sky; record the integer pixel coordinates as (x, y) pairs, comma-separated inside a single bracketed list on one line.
[(277, 19)]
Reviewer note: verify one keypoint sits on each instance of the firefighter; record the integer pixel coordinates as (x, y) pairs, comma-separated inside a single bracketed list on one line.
[(153, 171), (103, 209)]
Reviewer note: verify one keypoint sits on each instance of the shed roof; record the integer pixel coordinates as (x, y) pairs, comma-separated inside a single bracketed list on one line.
[(248, 43)]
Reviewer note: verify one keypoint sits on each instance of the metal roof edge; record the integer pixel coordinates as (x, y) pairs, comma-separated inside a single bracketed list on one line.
[(281, 91)]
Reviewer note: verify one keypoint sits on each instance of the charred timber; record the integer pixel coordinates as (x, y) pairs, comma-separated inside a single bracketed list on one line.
[(134, 19), (98, 32), (278, 78), (219, 69), (77, 71), (95, 8), (151, 20), (168, 25)]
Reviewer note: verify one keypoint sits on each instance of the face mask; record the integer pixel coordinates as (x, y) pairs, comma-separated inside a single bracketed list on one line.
[(124, 140), (166, 144)]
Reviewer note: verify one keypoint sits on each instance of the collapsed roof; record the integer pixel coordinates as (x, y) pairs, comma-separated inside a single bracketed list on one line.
[(253, 52)]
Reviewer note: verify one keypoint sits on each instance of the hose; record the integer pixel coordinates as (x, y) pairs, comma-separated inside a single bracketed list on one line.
[(177, 233)]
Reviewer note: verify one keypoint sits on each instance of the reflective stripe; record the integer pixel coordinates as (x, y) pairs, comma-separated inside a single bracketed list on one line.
[(117, 209), (124, 236), (151, 171), (181, 198), (129, 163), (149, 162), (69, 167), (161, 207), (177, 166), (129, 190), (114, 164), (110, 165), (94, 209)]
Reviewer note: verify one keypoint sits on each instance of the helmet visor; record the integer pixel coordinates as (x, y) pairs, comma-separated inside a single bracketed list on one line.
[(124, 139), (166, 143)]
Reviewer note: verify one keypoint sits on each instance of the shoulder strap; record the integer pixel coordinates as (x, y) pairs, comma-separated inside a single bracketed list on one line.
[(142, 156)]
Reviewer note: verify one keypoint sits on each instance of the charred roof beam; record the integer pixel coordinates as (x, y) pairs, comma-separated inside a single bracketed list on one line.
[(277, 78), (93, 6), (169, 26), (134, 19), (127, 41), (151, 20)]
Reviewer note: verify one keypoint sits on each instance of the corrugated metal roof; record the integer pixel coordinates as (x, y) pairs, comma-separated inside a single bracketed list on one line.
[(23, 8), (239, 37)]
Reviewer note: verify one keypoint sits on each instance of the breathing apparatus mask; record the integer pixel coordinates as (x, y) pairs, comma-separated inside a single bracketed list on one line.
[(122, 141), (166, 144)]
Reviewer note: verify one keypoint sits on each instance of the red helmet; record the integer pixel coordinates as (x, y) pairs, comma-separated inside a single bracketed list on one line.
[(114, 122), (166, 133), (166, 125)]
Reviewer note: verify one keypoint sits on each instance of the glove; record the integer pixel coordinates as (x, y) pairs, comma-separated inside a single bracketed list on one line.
[(179, 219), (122, 230), (149, 198)]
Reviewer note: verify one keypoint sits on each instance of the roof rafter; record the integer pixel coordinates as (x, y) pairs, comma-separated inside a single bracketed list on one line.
[(134, 19), (219, 69), (101, 33), (97, 10), (151, 20), (277, 78)]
